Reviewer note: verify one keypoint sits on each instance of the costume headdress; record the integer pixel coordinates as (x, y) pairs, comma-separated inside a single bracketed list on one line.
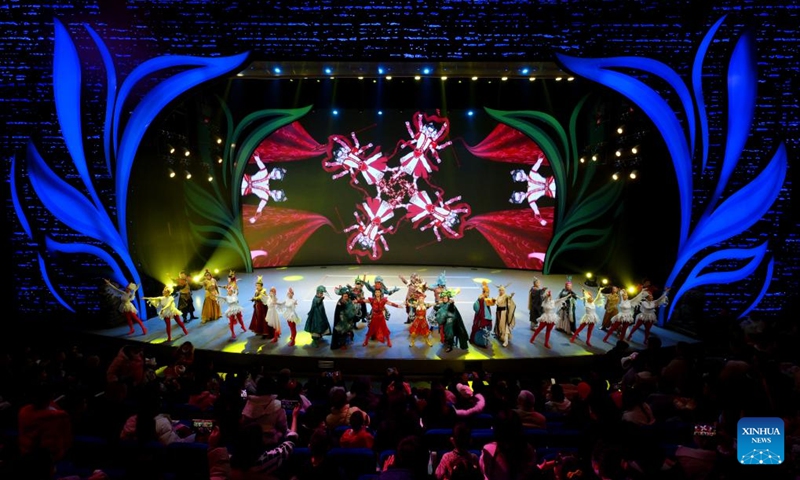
[(378, 279), (321, 289), (448, 293), (359, 280), (133, 287), (259, 281), (441, 280), (536, 279), (290, 292), (273, 290), (485, 287), (168, 289), (207, 273), (232, 275), (569, 280)]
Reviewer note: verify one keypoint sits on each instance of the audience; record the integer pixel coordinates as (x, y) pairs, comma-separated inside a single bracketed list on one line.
[(526, 411), (510, 456), (356, 436), (265, 410), (459, 460)]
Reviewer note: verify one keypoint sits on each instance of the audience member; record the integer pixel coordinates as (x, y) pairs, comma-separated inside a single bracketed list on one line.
[(357, 436), (510, 456), (527, 413), (265, 410), (459, 459)]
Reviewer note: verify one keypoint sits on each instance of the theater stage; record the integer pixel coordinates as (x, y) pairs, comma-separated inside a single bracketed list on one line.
[(520, 355)]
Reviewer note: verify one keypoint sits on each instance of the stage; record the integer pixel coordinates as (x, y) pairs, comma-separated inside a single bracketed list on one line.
[(520, 355)]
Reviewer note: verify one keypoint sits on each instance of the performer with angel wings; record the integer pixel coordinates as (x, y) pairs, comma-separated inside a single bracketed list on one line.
[(167, 310), (125, 298)]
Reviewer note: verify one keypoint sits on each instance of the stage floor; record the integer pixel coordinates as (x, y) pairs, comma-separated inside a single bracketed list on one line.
[(215, 335)]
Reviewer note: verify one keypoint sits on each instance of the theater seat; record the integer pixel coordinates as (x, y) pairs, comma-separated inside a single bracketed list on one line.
[(354, 462)]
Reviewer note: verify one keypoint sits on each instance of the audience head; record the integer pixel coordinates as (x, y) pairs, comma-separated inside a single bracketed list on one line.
[(266, 386), (462, 435), (557, 393), (526, 400), (357, 420)]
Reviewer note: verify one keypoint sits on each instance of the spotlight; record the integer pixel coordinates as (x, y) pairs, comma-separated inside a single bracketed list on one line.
[(388, 77), (594, 157), (374, 81), (186, 153), (631, 290), (219, 159), (276, 70), (583, 160), (336, 112), (615, 176), (219, 141), (171, 173), (171, 149), (504, 78), (444, 78), (188, 175), (470, 113), (604, 281), (634, 150), (361, 78), (417, 77), (569, 79), (558, 79), (620, 130), (525, 71), (380, 70), (328, 70), (618, 153), (210, 178), (426, 71), (380, 112), (531, 79), (633, 175), (590, 281), (474, 78)]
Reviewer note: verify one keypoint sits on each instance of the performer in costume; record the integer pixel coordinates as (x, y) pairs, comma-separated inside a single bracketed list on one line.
[(419, 327), (535, 299), (506, 308), (126, 307), (413, 286), (566, 320), (273, 321), (379, 285), (377, 322), (234, 310), (211, 310), (483, 312), (624, 318), (438, 288), (184, 285), (344, 318), (589, 318), (647, 316), (357, 293), (290, 314), (450, 322), (549, 317), (612, 302), (317, 323), (167, 311), (232, 282), (258, 324)]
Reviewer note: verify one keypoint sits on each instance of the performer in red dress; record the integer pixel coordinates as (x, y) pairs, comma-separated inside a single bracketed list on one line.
[(419, 326), (377, 322), (258, 324)]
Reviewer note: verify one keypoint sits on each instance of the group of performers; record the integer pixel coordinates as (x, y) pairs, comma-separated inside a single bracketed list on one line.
[(546, 312)]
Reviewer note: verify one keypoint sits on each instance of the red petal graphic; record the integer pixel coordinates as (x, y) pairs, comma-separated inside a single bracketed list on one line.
[(279, 233), (506, 144), (519, 239), (288, 144)]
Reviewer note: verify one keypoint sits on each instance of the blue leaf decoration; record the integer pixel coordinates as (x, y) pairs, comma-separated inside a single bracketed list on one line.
[(67, 91), (697, 85), (696, 278), (23, 219), (98, 252), (764, 287), (111, 93), (151, 105), (740, 211), (50, 286), (655, 107)]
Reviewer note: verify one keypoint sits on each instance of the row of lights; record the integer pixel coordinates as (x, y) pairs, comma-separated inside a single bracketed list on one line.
[(591, 282), (277, 70)]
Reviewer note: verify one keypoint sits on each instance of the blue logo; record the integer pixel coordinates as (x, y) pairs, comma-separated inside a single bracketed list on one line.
[(760, 441)]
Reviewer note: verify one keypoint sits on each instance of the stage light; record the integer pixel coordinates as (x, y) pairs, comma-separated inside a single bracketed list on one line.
[(618, 153), (361, 78), (583, 160), (210, 178), (470, 113), (615, 176), (336, 112), (380, 112), (589, 275), (417, 77), (374, 81), (633, 175), (569, 79), (604, 281), (474, 78), (594, 157), (558, 79), (240, 74), (328, 71), (380, 70), (426, 71), (219, 141), (444, 78), (186, 153), (532, 79), (634, 150), (219, 159), (631, 290), (525, 71), (171, 173), (171, 149), (277, 70), (590, 281), (188, 175), (388, 77), (620, 130), (504, 78)]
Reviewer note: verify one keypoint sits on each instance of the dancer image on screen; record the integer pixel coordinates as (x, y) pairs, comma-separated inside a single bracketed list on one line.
[(317, 323), (566, 315), (535, 299), (234, 310), (273, 321), (167, 311), (450, 322), (505, 310), (211, 310), (377, 321), (549, 317), (290, 314), (612, 302), (344, 318), (590, 317), (419, 326), (413, 286), (125, 298), (483, 315), (184, 285), (647, 315), (624, 318), (258, 324)]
